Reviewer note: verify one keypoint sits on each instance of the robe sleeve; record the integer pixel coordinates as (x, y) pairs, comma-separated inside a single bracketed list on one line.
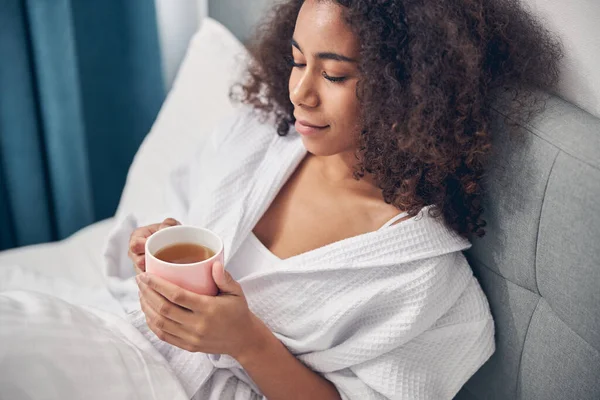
[(433, 365)]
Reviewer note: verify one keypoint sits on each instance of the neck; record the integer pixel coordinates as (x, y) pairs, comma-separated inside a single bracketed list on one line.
[(338, 170)]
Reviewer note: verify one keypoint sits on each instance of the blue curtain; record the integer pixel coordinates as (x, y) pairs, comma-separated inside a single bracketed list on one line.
[(80, 85)]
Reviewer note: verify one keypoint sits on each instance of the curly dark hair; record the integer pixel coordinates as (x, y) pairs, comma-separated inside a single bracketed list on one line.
[(430, 72)]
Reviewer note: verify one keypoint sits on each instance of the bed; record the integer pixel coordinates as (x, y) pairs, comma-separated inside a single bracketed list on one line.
[(542, 279)]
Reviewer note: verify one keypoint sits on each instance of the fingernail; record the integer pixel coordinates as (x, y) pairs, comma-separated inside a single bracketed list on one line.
[(143, 278), (137, 279)]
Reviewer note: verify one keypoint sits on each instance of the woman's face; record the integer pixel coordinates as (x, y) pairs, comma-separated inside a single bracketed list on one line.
[(323, 79)]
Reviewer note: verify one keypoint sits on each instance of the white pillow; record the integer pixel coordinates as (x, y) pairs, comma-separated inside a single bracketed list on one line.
[(198, 100)]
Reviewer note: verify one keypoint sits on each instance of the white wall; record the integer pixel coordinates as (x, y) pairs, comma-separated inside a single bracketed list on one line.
[(179, 19), (577, 22), (239, 16), (177, 22)]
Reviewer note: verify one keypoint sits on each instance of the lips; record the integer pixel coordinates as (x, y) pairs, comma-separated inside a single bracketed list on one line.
[(310, 125), (307, 128)]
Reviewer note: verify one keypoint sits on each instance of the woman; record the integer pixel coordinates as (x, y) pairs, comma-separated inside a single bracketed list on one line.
[(344, 232)]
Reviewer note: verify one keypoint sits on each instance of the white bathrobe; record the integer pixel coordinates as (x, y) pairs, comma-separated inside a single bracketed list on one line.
[(391, 314)]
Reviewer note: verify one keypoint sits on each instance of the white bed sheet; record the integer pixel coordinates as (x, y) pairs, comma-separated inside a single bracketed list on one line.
[(51, 349), (77, 259), (66, 336)]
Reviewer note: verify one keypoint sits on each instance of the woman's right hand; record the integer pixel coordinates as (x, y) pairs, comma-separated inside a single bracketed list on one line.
[(137, 242)]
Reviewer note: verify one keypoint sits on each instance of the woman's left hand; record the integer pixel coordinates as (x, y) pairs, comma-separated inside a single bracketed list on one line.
[(220, 324)]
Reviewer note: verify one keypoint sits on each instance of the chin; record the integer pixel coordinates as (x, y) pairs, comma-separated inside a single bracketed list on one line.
[(320, 148)]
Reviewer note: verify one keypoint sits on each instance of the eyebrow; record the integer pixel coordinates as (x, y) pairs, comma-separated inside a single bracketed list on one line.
[(326, 55)]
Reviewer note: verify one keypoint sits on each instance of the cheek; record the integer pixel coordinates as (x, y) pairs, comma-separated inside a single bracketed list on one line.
[(347, 108)]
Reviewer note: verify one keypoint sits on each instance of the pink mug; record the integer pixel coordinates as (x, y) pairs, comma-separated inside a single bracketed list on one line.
[(195, 277)]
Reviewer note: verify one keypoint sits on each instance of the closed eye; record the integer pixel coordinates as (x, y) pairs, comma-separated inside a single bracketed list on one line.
[(334, 78), (292, 63)]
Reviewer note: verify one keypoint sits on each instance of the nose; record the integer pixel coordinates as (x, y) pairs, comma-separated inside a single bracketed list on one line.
[(304, 93)]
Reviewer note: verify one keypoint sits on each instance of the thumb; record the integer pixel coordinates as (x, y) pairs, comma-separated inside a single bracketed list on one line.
[(224, 280), (167, 223)]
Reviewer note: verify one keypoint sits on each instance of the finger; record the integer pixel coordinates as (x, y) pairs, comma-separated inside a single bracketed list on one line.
[(137, 244), (144, 232), (167, 330), (176, 294), (140, 262), (164, 307), (168, 222), (138, 238), (224, 280), (158, 322), (138, 233), (175, 341)]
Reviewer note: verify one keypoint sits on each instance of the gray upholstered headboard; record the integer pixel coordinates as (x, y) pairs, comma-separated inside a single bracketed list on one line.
[(540, 262)]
